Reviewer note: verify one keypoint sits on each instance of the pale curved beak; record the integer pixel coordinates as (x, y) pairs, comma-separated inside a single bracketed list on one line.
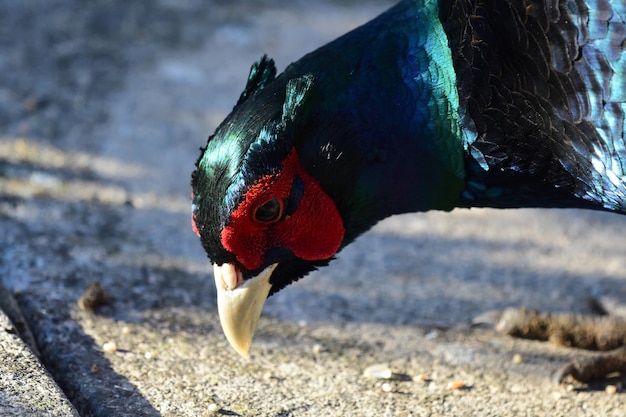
[(240, 303)]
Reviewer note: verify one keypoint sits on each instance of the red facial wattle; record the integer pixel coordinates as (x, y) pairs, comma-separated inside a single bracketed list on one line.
[(313, 231)]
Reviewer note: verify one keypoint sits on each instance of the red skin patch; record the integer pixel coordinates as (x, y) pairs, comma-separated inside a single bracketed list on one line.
[(313, 232), (194, 226)]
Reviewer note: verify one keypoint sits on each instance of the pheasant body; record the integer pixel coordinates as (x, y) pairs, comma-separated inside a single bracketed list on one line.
[(430, 106)]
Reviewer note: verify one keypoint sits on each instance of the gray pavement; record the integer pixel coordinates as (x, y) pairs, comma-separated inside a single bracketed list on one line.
[(103, 106), (26, 387)]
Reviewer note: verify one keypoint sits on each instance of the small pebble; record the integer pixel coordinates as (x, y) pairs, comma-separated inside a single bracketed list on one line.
[(148, 355), (212, 408), (94, 296), (317, 348), (94, 369), (610, 389), (433, 334), (420, 378), (456, 385), (125, 330), (517, 358), (378, 371), (267, 376), (386, 387), (109, 347)]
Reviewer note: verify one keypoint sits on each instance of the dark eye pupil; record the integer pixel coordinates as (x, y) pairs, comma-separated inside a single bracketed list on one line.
[(268, 212)]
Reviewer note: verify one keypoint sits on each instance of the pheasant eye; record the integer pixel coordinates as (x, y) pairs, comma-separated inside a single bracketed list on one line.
[(269, 212)]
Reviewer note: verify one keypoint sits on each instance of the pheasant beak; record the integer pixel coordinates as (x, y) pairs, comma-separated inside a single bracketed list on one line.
[(240, 303)]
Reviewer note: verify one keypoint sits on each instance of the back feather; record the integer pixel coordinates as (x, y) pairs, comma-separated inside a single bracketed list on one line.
[(543, 85)]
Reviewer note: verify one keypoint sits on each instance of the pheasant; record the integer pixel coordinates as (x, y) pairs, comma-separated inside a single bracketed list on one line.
[(432, 105)]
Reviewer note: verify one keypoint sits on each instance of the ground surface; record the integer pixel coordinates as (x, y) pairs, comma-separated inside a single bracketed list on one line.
[(103, 106)]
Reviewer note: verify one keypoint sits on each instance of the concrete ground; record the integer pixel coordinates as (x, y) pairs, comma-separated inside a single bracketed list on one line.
[(103, 106)]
